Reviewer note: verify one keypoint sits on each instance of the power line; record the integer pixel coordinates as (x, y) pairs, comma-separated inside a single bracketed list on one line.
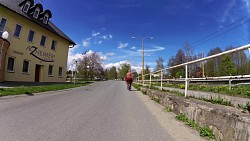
[(214, 33), (225, 32)]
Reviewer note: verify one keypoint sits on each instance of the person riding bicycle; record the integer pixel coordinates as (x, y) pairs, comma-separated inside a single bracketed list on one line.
[(129, 79)]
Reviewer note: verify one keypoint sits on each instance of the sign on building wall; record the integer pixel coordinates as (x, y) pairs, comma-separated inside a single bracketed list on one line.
[(41, 55)]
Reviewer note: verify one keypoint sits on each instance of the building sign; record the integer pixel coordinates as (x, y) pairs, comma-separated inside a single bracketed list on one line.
[(41, 55)]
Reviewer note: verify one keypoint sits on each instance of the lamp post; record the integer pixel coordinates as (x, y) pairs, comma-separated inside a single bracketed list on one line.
[(87, 73), (5, 36), (142, 71), (75, 72)]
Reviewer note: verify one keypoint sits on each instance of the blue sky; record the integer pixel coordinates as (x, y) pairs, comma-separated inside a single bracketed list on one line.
[(106, 26)]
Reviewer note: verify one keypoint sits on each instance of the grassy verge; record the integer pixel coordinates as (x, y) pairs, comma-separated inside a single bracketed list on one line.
[(241, 91), (205, 131), (37, 89)]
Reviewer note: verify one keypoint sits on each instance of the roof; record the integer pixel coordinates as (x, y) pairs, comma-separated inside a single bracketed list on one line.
[(14, 6)]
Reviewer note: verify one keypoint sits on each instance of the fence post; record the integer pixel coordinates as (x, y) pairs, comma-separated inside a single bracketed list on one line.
[(150, 80), (186, 81), (161, 79), (230, 83)]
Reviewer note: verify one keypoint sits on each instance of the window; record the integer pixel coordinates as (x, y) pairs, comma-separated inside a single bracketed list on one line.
[(11, 62), (26, 7), (45, 19), (36, 13), (53, 45), (2, 25), (43, 40), (50, 72), (31, 36), (60, 71), (26, 66), (17, 30), (3, 21)]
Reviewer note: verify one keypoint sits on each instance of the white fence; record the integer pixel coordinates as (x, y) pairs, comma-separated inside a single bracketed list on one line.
[(200, 60)]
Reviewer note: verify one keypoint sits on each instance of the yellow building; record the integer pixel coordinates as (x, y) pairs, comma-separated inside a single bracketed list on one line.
[(33, 49)]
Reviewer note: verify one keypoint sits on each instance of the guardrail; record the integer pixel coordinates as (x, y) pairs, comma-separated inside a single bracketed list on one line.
[(200, 60)]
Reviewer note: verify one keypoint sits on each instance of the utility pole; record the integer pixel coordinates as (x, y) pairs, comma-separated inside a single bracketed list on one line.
[(203, 68)]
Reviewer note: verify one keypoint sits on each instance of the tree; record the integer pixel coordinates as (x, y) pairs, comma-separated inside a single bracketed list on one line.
[(147, 71), (123, 70), (159, 64), (112, 74), (227, 66), (212, 65), (189, 55), (90, 66)]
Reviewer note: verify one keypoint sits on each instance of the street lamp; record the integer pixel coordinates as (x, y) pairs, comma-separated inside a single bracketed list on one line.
[(5, 36), (142, 72), (87, 73), (75, 72)]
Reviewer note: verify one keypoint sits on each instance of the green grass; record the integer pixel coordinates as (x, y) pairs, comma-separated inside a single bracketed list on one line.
[(156, 99), (217, 100), (205, 131), (241, 90), (245, 107), (37, 89), (168, 109)]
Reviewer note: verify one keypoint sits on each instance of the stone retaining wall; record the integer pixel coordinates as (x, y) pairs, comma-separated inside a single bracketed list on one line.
[(228, 123)]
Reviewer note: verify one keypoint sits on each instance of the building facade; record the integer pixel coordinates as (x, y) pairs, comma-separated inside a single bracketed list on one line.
[(33, 49)]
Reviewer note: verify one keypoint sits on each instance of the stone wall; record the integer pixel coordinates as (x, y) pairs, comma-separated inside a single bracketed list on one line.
[(228, 123)]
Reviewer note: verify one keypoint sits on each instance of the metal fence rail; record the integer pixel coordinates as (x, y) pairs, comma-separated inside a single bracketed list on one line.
[(228, 78)]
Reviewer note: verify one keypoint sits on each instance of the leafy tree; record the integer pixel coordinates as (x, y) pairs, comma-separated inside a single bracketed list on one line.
[(159, 64), (147, 71), (90, 66), (227, 66), (212, 65), (123, 70), (112, 73)]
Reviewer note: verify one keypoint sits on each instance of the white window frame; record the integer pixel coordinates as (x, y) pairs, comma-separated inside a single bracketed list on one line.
[(51, 75), (19, 31), (44, 40), (26, 7), (13, 64), (27, 66), (32, 37), (36, 13), (45, 19)]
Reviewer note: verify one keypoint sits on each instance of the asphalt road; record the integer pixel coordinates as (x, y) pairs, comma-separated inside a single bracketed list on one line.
[(104, 111)]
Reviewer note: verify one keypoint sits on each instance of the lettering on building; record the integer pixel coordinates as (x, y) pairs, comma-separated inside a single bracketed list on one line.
[(41, 55)]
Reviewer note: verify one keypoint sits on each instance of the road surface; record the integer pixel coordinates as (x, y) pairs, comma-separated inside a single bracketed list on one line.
[(103, 111)]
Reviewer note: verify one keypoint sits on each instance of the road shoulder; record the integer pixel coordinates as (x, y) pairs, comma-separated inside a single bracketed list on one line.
[(178, 130)]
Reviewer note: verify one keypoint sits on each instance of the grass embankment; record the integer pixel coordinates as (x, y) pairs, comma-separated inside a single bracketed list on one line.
[(241, 91), (37, 89)]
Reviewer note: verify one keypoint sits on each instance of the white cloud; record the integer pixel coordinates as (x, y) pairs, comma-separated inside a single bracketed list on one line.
[(72, 57), (99, 42), (96, 38), (155, 48), (86, 43), (122, 45), (133, 47), (110, 54), (94, 34)]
